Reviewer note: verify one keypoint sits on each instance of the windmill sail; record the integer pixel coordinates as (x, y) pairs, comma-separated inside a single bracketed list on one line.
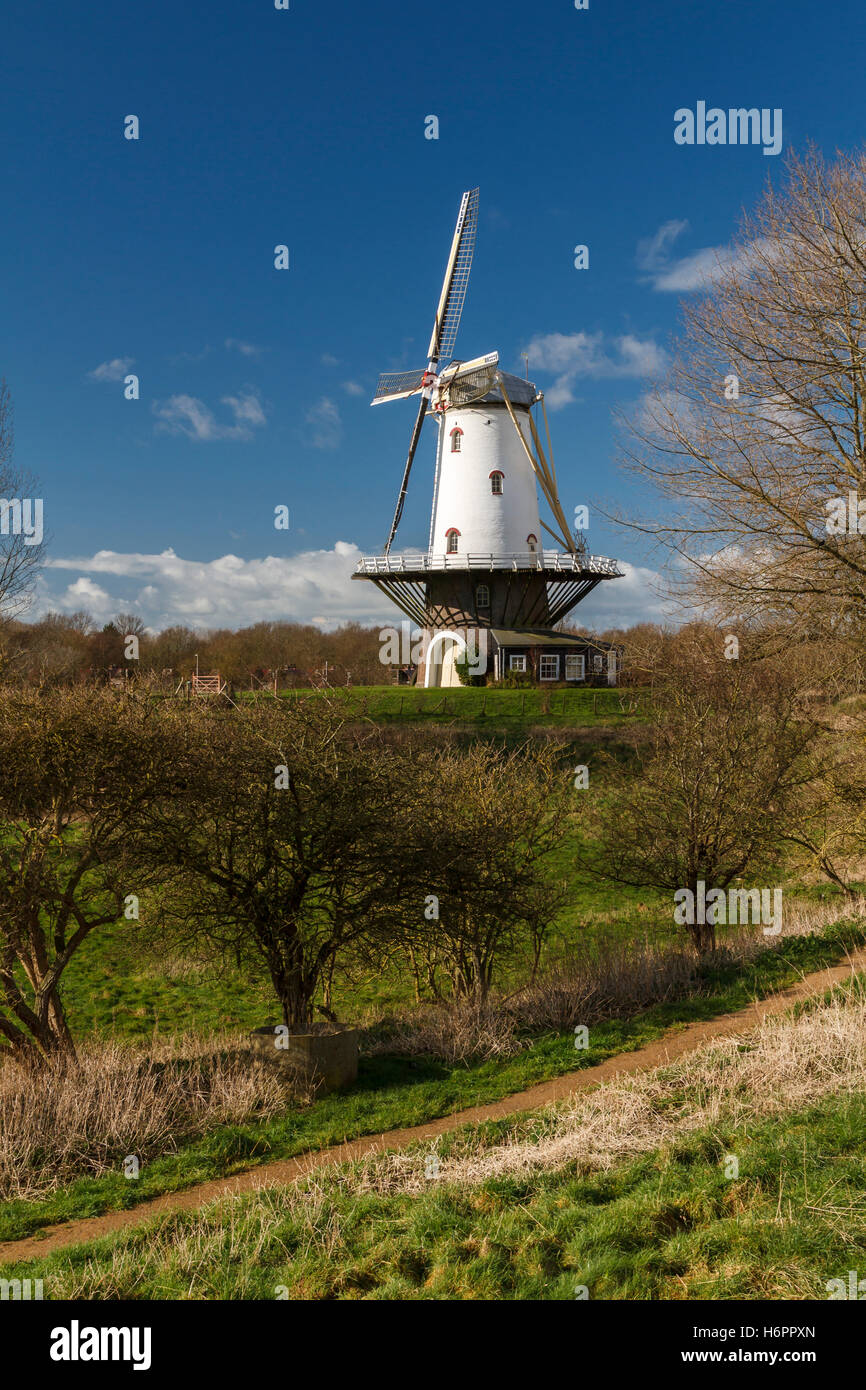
[(395, 386), (444, 334), (456, 279)]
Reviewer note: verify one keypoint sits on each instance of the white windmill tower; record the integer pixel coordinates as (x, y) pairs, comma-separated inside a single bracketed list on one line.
[(485, 566)]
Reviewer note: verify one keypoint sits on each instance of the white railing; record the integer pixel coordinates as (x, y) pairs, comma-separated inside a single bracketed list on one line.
[(558, 560)]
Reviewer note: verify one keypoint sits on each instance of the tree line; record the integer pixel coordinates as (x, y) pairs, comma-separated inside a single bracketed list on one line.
[(73, 647)]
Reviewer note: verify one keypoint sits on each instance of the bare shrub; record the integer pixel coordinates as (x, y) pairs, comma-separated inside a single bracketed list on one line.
[(65, 1121), (589, 984), (621, 980), (456, 1031), (581, 988)]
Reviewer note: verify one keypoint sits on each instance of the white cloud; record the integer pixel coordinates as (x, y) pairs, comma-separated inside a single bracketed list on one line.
[(115, 370), (330, 360), (166, 589), (692, 272), (326, 425), (245, 349), (246, 408), (653, 251), (560, 393), (557, 352), (575, 355), (656, 413), (190, 416), (622, 602), (84, 593), (315, 586), (353, 388)]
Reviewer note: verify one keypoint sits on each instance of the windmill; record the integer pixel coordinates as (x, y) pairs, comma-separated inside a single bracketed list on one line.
[(397, 386), (490, 464)]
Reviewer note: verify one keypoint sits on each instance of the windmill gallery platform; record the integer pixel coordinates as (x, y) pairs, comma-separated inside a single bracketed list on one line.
[(485, 576)]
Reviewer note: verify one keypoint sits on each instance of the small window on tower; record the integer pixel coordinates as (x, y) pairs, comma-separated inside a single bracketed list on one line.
[(453, 537), (456, 439), (496, 482), (482, 596), (532, 542)]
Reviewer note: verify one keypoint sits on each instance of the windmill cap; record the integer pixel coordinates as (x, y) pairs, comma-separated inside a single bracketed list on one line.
[(520, 392)]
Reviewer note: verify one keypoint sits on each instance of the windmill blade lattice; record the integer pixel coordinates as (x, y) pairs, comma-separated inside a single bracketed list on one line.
[(394, 386), (454, 291)]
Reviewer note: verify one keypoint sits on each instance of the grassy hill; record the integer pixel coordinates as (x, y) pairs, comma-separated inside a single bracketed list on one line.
[(736, 1173)]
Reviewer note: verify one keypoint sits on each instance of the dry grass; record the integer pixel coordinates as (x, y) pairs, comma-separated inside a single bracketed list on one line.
[(455, 1032), (782, 1066), (61, 1121), (616, 979)]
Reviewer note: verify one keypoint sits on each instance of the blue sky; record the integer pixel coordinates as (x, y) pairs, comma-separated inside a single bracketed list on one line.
[(306, 127)]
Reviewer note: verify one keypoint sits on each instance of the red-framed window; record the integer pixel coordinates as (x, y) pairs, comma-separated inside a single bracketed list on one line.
[(452, 538), (456, 440), (496, 480), (532, 542)]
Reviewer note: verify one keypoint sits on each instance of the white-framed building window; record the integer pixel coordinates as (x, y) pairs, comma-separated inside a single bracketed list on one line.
[(532, 542), (575, 667), (548, 668), (456, 440), (452, 539), (496, 482), (482, 596), (517, 663), (598, 663)]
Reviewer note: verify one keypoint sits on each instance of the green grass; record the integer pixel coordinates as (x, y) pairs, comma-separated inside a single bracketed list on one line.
[(110, 987), (669, 1226), (395, 1092), (566, 708)]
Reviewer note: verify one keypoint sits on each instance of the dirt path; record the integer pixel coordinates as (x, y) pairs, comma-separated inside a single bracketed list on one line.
[(666, 1049)]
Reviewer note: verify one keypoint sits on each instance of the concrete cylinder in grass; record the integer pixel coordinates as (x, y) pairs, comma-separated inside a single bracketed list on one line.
[(324, 1059)]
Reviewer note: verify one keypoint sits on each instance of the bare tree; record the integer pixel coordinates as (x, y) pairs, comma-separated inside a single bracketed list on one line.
[(77, 768), (757, 435), (716, 788), (279, 837), (20, 554), (487, 823)]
